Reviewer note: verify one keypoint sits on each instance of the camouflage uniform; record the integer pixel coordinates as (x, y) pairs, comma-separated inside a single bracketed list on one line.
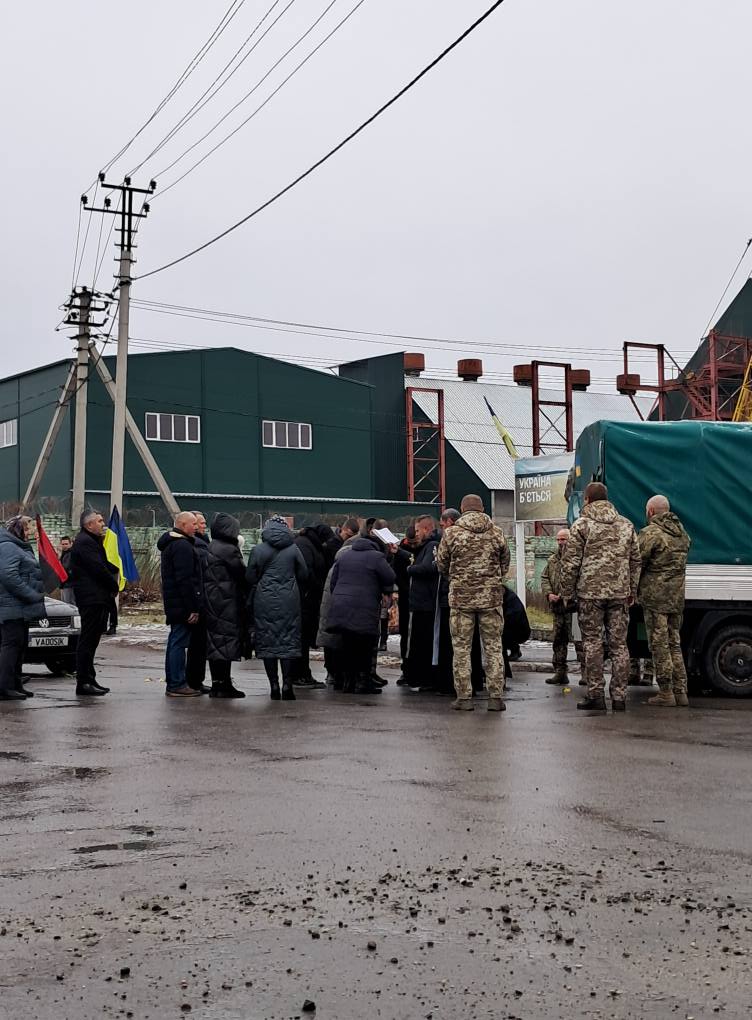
[(664, 545), (551, 585), (474, 555), (601, 568)]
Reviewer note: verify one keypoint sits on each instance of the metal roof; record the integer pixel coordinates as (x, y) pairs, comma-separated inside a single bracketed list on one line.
[(471, 432)]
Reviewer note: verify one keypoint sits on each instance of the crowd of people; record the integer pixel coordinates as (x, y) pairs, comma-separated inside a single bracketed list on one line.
[(459, 623), (334, 589)]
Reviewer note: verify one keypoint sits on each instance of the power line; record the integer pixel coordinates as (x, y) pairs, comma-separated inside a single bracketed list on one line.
[(353, 134), (224, 22), (725, 290), (314, 329), (261, 106), (205, 98)]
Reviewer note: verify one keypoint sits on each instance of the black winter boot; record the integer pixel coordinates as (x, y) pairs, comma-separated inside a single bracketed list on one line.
[(274, 686)]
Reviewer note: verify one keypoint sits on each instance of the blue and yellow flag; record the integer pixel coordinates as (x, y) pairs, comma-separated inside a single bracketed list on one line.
[(127, 566), (506, 438), (113, 554)]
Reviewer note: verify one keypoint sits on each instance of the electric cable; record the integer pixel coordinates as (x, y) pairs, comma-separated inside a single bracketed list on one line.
[(340, 145), (259, 108), (223, 24), (725, 290), (75, 254), (205, 98), (312, 329)]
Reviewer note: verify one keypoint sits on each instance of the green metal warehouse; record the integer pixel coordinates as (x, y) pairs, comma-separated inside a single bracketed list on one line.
[(228, 428)]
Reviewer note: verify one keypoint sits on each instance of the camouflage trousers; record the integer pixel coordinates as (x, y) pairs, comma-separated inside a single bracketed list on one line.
[(665, 647), (562, 637), (490, 626), (611, 616)]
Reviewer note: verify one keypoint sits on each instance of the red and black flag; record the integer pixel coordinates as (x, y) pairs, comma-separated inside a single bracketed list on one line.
[(53, 571)]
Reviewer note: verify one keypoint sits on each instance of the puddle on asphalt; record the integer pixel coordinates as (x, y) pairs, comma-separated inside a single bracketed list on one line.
[(131, 844), (14, 756)]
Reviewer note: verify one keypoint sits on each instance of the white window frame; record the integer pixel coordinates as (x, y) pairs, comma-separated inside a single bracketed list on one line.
[(157, 416), (288, 425), (8, 433)]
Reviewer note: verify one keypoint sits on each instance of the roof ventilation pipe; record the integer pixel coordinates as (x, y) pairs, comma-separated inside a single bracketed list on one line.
[(470, 369), (414, 364)]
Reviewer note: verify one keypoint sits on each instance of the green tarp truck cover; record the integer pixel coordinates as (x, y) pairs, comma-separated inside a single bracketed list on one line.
[(703, 467)]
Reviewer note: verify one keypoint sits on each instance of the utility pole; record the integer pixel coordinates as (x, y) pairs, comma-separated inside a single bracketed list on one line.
[(80, 308), (126, 230)]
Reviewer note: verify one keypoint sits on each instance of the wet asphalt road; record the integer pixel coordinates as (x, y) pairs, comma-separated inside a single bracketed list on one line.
[(380, 857)]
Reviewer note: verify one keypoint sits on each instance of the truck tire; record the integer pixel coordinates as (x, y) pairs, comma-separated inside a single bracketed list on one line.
[(728, 660)]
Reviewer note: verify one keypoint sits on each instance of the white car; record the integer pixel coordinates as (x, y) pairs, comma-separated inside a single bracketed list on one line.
[(53, 640)]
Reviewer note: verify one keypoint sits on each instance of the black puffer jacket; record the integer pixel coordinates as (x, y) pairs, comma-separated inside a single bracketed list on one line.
[(201, 545), (403, 558), (21, 587), (182, 585), (359, 579), (424, 575), (318, 555), (516, 624), (95, 579), (276, 574), (225, 590)]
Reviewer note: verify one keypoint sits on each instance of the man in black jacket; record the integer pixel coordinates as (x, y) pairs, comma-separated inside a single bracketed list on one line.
[(195, 670), (95, 586), (182, 593), (424, 589)]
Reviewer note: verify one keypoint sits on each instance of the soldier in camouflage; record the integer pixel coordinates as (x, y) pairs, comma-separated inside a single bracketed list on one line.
[(551, 589), (664, 545), (474, 556), (601, 569)]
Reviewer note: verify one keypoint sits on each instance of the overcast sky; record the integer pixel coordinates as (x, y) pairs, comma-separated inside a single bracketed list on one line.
[(576, 174)]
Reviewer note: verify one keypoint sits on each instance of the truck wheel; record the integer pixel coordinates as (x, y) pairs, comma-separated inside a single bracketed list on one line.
[(728, 660)]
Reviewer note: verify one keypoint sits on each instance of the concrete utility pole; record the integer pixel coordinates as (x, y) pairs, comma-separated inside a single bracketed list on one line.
[(82, 304), (82, 397), (126, 231)]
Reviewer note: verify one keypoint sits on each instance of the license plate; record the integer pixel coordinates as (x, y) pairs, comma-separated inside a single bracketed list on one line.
[(48, 642)]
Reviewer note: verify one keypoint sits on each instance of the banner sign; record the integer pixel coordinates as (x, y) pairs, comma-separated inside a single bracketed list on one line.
[(541, 489)]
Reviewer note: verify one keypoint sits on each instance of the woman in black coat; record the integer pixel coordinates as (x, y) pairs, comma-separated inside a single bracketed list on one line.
[(224, 601), (276, 574), (358, 581), (318, 553)]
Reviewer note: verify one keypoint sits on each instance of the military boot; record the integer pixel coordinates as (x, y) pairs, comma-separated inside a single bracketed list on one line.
[(558, 679), (663, 699), (463, 705), (680, 696), (589, 704)]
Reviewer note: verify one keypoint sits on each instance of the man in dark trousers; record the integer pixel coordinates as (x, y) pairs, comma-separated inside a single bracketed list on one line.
[(95, 586), (195, 670), (182, 594)]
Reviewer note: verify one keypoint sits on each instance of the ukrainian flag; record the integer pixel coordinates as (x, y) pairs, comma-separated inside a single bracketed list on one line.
[(113, 555), (505, 436)]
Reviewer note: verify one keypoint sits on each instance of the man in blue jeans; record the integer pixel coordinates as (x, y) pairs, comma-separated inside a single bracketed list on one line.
[(182, 594)]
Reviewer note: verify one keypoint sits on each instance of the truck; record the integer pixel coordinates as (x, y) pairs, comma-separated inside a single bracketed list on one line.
[(705, 470)]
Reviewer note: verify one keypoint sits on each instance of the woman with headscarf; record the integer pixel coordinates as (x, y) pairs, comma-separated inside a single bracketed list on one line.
[(315, 545), (21, 602), (224, 603), (276, 575)]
